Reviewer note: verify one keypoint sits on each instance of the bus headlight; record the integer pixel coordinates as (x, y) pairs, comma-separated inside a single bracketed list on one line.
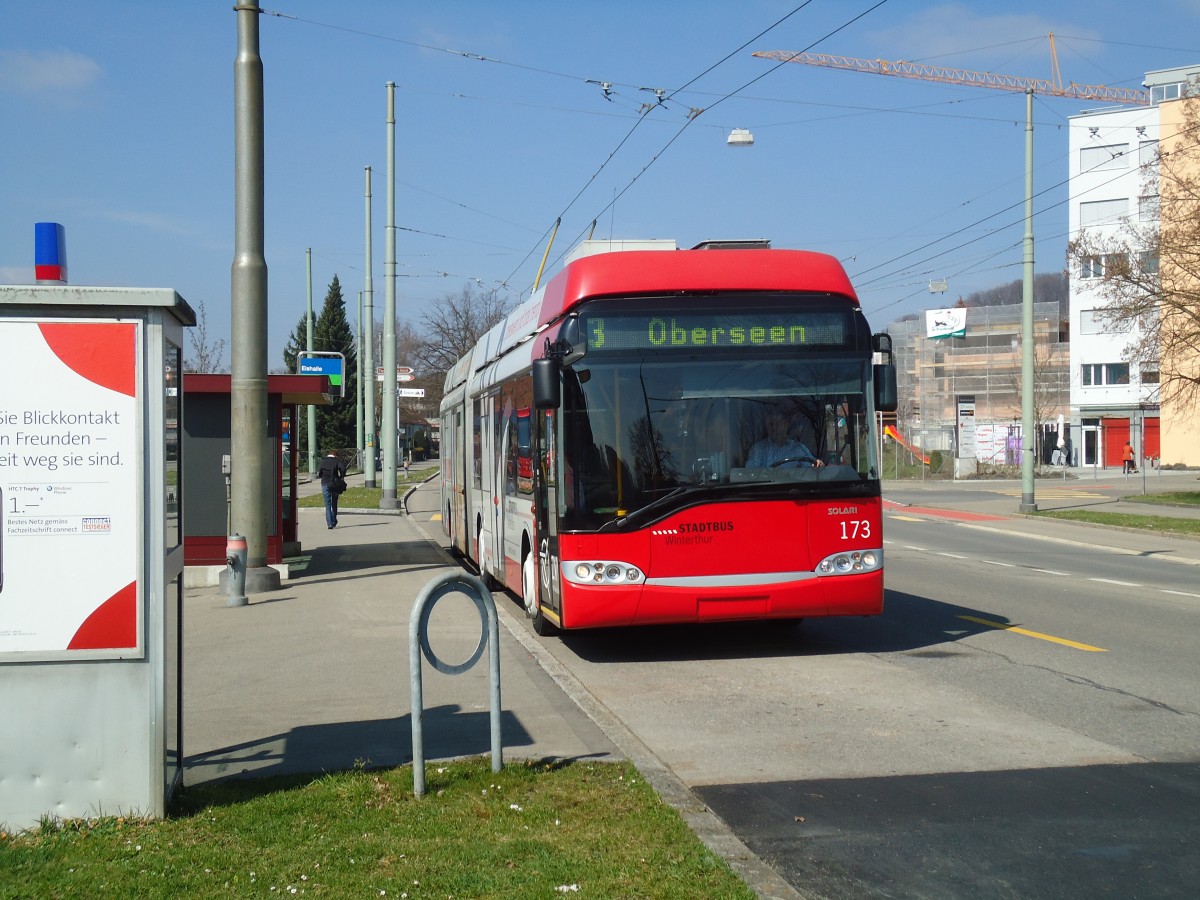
[(851, 562), (601, 572)]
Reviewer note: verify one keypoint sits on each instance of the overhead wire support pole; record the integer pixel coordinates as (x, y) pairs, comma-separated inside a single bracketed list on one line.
[(369, 349), (388, 499), (250, 444), (311, 412), (1029, 444), (358, 404)]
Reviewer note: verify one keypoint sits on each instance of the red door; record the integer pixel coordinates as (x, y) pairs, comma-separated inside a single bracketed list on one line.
[(1116, 433)]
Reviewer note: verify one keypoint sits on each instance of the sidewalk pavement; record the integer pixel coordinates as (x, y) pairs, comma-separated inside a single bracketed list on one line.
[(315, 676)]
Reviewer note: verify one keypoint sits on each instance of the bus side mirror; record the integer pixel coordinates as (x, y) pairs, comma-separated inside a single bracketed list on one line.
[(885, 372), (885, 388), (546, 384)]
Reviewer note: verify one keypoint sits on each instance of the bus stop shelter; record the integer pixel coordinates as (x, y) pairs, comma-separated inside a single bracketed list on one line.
[(206, 449)]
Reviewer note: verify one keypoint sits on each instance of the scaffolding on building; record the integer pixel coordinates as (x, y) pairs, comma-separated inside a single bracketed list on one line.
[(934, 375)]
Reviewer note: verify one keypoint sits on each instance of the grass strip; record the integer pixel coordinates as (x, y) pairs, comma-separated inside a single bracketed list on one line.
[(1162, 524), (1174, 498), (533, 830), (359, 497)]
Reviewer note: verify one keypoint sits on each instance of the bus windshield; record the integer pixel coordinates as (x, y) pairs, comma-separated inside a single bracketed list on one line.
[(643, 433)]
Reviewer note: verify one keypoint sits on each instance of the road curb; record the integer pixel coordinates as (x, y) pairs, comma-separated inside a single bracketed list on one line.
[(704, 823)]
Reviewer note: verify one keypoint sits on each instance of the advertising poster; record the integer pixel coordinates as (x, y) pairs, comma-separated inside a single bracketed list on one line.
[(70, 489)]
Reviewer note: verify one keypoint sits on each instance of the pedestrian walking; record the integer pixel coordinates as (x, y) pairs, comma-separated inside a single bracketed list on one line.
[(1127, 459), (333, 482)]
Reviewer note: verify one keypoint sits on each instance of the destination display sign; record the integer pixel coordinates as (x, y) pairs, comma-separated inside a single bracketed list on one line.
[(712, 329)]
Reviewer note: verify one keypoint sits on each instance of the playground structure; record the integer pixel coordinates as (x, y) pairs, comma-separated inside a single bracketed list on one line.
[(894, 434)]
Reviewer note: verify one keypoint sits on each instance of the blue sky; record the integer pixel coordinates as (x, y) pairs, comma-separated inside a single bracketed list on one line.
[(118, 123)]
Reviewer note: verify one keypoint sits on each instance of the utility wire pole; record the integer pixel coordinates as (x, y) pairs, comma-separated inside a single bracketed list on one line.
[(388, 499), (312, 410), (369, 347), (250, 447), (1029, 433)]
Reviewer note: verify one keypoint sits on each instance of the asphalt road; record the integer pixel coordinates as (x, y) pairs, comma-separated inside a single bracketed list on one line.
[(1023, 721)]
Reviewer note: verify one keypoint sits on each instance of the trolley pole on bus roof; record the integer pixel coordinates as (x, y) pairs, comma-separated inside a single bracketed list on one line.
[(388, 499)]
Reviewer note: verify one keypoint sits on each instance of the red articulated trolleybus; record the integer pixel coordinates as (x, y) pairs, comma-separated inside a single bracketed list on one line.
[(674, 436)]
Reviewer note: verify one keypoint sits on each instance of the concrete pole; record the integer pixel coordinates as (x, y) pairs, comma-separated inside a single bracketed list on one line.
[(250, 443), (369, 365), (312, 410), (1028, 426), (388, 499), (358, 407)]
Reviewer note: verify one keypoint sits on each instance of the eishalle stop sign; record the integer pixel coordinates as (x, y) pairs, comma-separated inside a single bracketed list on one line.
[(331, 365)]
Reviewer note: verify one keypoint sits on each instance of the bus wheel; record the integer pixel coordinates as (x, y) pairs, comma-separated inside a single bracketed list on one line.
[(533, 608)]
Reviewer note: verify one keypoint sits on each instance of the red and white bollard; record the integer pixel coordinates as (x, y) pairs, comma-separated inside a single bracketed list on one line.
[(235, 559)]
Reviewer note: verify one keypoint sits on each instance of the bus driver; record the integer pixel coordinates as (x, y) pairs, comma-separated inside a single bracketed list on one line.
[(777, 447)]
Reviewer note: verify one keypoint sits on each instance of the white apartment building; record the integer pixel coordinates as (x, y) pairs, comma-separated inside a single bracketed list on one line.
[(1113, 184)]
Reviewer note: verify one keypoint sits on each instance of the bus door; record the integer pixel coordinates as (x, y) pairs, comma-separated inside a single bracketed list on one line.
[(505, 491), (545, 505), (492, 465)]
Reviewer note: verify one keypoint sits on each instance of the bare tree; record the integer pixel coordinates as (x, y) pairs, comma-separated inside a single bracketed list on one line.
[(206, 356), (1151, 271), (454, 325)]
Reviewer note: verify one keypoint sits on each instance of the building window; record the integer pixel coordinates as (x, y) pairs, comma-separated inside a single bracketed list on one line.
[(1100, 266), (1148, 262), (1097, 321), (1097, 159), (1104, 374), (1148, 207), (1161, 92), (1149, 376), (1116, 373), (1102, 212), (1147, 153)]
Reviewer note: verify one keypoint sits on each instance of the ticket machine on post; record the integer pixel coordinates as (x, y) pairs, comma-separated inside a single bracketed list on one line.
[(91, 551)]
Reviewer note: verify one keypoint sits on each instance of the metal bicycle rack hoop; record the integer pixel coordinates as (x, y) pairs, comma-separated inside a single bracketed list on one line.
[(418, 646)]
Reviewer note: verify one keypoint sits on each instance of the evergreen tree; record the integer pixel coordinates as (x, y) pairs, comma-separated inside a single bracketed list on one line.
[(297, 341), (336, 426), (332, 334)]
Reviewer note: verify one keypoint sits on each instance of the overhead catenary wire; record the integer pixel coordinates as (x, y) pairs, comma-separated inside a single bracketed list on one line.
[(867, 284), (667, 97), (725, 97)]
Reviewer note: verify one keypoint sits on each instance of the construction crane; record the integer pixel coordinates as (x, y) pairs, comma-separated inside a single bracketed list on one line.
[(947, 75), (1029, 87)]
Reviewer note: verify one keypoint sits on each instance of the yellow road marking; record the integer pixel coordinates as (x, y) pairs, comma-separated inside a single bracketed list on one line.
[(1053, 493), (906, 518), (1035, 634), (436, 517)]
